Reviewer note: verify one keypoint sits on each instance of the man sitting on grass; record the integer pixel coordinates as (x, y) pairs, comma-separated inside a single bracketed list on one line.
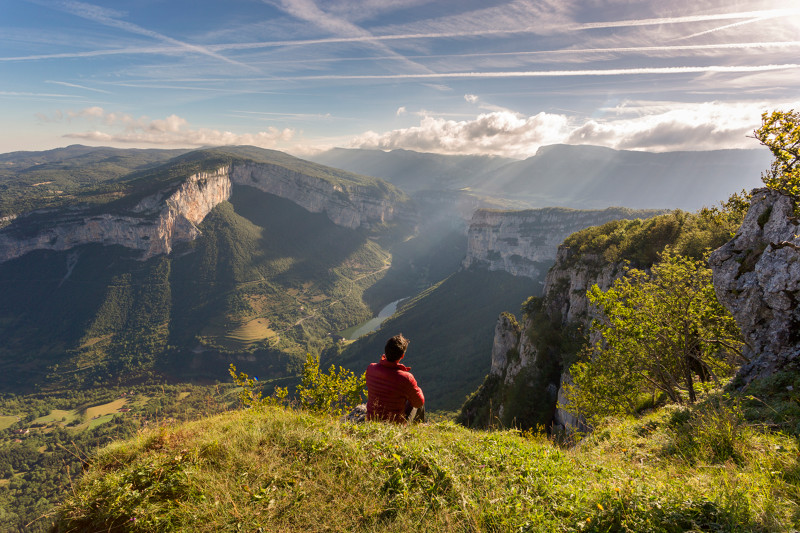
[(392, 392)]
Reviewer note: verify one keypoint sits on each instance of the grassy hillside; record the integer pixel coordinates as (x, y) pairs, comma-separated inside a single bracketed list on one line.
[(107, 180), (284, 470), (640, 241), (450, 326)]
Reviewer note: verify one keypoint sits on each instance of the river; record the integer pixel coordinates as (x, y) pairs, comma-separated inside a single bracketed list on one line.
[(354, 332)]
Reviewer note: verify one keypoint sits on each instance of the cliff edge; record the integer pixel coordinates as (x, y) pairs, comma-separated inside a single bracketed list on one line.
[(161, 219)]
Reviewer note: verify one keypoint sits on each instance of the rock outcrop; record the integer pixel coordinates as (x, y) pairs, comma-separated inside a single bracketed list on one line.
[(161, 220), (506, 340), (524, 243), (757, 277)]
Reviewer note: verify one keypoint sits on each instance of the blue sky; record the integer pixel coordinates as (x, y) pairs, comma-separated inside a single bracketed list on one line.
[(447, 76)]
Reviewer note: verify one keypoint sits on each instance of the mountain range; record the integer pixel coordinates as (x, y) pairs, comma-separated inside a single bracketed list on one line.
[(119, 265), (581, 177)]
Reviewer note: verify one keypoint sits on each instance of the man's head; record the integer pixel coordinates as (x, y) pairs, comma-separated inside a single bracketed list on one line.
[(396, 348)]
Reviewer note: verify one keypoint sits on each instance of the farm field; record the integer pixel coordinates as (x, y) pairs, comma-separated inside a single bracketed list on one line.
[(252, 331), (57, 415), (106, 408), (6, 421), (91, 417)]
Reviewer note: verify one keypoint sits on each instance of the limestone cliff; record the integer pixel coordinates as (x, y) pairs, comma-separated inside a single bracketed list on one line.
[(348, 205), (529, 361), (161, 220), (524, 243), (567, 305), (153, 226), (757, 277)]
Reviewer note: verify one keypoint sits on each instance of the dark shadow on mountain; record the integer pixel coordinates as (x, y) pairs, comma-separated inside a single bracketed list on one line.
[(450, 326)]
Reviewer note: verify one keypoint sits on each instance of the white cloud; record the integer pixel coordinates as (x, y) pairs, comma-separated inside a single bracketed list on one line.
[(471, 98), (91, 112), (650, 126), (501, 133), (200, 137), (401, 110), (172, 131), (171, 124), (670, 126)]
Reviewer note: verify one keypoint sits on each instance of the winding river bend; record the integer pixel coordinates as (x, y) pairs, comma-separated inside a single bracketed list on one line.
[(354, 332)]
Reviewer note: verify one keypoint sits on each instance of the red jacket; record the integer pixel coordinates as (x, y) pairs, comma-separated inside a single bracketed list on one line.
[(389, 385)]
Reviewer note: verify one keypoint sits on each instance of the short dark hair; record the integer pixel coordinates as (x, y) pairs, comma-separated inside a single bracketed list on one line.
[(396, 347)]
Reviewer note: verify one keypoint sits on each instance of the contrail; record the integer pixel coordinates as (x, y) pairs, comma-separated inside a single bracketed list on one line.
[(212, 50), (554, 73), (102, 16), (65, 84), (308, 11), (735, 24), (666, 48), (764, 14)]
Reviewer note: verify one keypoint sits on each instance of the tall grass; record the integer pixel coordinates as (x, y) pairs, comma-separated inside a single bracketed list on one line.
[(274, 469)]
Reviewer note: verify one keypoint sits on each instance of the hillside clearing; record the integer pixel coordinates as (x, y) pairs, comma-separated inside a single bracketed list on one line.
[(6, 421)]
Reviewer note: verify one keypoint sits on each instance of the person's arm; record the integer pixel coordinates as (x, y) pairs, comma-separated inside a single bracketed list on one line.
[(414, 393)]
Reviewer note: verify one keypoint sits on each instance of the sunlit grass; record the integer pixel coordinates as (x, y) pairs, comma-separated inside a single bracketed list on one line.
[(106, 408), (89, 417), (284, 470)]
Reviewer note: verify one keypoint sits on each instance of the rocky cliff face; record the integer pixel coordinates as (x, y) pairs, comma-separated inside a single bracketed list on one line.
[(566, 304), (529, 361), (757, 277), (348, 206), (160, 221), (567, 282), (153, 226), (524, 243)]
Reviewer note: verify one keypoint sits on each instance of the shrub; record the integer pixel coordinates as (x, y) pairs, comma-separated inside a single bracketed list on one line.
[(251, 396), (780, 132), (715, 432), (334, 392)]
